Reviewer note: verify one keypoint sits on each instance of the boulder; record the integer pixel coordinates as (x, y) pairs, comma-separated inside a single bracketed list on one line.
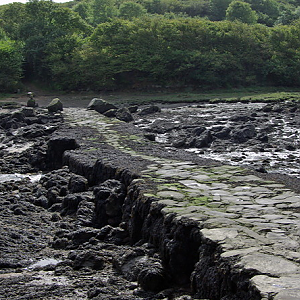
[(124, 114), (201, 141), (136, 265), (204, 139), (100, 105), (55, 106), (222, 132), (149, 110), (83, 235), (85, 213), (198, 131), (18, 115), (70, 204), (113, 235), (179, 142), (162, 126)]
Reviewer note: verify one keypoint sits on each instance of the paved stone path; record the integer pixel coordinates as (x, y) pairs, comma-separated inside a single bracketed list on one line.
[(256, 222)]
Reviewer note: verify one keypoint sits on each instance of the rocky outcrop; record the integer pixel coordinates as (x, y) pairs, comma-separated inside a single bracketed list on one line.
[(188, 256), (191, 215)]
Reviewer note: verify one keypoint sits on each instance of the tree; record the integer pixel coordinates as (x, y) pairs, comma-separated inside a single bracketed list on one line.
[(285, 60), (218, 9), (48, 25), (267, 10), (83, 9), (13, 16), (241, 11), (130, 10), (10, 64), (102, 11)]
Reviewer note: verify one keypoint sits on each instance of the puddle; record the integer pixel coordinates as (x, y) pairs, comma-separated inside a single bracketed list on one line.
[(48, 278), (43, 263), (17, 148), (18, 177)]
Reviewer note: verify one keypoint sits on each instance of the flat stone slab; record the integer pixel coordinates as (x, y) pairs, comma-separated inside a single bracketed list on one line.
[(171, 195), (285, 287), (269, 264)]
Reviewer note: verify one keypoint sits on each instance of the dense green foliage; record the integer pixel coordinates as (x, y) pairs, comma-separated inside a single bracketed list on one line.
[(109, 44), (10, 64), (241, 11)]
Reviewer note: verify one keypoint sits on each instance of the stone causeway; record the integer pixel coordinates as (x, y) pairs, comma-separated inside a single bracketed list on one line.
[(255, 223)]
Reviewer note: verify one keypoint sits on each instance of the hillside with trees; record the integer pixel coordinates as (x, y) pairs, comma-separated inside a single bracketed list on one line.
[(116, 44)]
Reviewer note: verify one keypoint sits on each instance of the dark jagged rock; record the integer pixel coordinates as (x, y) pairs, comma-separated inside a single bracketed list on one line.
[(150, 136), (133, 109), (109, 198), (222, 132), (149, 110), (161, 126), (136, 265), (88, 259), (77, 184), (111, 113), (28, 112), (56, 147), (152, 278), (242, 133), (83, 235), (70, 203), (124, 114), (203, 140), (198, 131)]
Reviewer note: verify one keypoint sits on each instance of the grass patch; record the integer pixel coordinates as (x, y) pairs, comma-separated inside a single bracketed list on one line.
[(202, 200), (256, 94)]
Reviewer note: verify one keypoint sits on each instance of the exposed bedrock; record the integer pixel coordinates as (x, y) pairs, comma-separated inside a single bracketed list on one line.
[(189, 258), (219, 230)]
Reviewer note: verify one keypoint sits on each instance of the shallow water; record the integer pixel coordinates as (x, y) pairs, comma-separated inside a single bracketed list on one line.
[(274, 159), (18, 177), (43, 263)]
